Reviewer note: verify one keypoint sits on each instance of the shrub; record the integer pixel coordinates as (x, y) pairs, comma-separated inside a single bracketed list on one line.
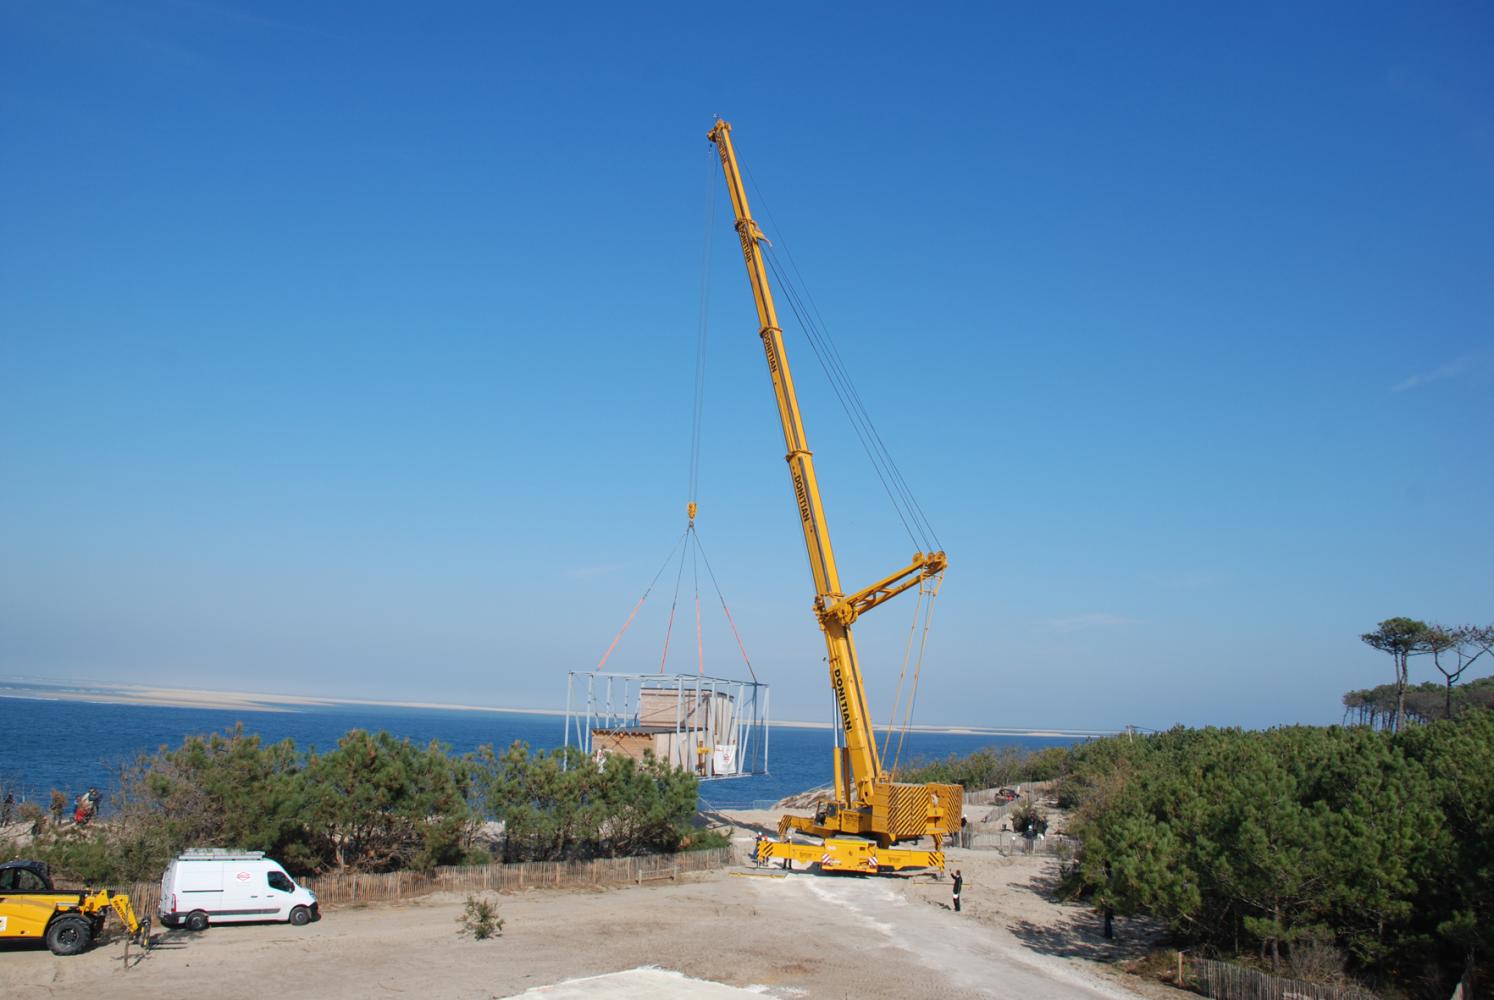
[(706, 840), (480, 919)]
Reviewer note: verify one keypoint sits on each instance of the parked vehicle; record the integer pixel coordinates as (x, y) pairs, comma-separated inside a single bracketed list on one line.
[(216, 886), (68, 920)]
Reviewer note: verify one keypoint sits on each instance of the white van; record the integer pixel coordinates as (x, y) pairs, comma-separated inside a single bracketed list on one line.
[(217, 886)]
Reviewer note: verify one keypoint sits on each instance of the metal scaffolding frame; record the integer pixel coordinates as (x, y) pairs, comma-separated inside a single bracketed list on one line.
[(599, 701)]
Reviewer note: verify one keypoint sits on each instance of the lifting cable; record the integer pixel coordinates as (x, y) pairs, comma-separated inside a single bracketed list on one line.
[(902, 675), (668, 559), (817, 333), (724, 609), (697, 412), (932, 585), (894, 484), (689, 540), (699, 640), (669, 629)]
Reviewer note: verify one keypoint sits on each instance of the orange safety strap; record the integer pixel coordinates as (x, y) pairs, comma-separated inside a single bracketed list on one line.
[(615, 639), (699, 642)]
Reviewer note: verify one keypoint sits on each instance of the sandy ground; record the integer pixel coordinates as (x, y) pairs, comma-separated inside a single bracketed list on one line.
[(786, 936)]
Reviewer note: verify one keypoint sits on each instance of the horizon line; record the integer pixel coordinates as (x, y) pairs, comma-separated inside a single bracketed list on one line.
[(102, 692)]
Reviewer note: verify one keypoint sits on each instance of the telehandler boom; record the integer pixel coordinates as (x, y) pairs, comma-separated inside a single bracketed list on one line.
[(871, 813)]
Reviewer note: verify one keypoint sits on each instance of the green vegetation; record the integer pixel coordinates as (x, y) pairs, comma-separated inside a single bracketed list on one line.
[(1453, 649), (990, 768), (1380, 845), (1423, 702), (374, 803), (480, 919), (561, 805), (1303, 848)]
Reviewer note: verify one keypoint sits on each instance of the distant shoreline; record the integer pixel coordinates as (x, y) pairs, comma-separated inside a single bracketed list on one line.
[(244, 701)]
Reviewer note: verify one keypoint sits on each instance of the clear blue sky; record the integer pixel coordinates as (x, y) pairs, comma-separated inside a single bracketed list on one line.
[(348, 348)]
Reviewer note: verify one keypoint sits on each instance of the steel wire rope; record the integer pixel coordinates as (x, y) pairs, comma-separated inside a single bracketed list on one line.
[(841, 390), (702, 335), (669, 628), (837, 362), (855, 409), (695, 582), (724, 609), (902, 674), (834, 349), (928, 620), (648, 590), (794, 307)]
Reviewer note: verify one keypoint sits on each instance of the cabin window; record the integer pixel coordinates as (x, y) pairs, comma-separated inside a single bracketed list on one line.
[(281, 881), (22, 880)]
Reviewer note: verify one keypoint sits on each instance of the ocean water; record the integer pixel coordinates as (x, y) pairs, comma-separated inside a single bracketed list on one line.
[(73, 745)]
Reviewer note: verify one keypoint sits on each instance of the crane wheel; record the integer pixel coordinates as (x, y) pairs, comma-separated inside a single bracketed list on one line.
[(68, 935), (197, 921)]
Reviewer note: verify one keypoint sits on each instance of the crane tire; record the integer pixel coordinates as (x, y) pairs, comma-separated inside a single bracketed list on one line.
[(197, 921), (300, 916), (68, 935)]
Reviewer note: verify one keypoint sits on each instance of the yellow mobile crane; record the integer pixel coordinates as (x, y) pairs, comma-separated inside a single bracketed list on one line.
[(871, 813)]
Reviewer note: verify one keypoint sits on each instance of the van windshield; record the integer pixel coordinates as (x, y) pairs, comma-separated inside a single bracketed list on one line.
[(281, 881)]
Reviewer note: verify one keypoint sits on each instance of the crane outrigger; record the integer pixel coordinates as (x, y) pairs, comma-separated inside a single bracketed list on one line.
[(871, 813)]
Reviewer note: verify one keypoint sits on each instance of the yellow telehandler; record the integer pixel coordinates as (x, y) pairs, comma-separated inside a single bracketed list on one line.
[(68, 920)]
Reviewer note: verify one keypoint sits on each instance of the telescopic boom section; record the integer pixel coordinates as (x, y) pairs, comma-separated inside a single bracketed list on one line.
[(859, 771)]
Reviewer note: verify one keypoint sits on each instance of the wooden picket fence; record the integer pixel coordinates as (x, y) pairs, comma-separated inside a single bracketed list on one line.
[(1226, 981), (332, 890)]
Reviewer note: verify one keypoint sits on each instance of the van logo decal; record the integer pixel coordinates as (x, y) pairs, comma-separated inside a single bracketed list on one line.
[(243, 876)]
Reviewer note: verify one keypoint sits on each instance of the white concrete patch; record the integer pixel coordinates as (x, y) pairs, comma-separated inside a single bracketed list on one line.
[(646, 983)]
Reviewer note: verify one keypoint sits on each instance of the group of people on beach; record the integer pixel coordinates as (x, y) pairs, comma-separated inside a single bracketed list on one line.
[(85, 807)]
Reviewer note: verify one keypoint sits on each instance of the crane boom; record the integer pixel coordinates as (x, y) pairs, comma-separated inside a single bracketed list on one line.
[(867, 803)]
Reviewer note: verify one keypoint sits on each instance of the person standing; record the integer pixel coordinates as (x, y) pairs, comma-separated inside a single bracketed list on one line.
[(7, 809), (959, 882), (56, 807)]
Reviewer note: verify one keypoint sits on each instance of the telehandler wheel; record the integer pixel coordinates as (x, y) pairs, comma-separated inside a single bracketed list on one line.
[(197, 921), (300, 916), (68, 935)]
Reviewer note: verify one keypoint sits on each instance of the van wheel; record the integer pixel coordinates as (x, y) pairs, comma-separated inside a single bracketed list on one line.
[(197, 921), (300, 916), (68, 935)]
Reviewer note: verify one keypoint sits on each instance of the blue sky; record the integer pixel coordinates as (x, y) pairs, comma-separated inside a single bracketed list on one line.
[(348, 348)]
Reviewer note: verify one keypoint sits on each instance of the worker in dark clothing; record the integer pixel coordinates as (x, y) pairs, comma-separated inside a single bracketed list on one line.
[(959, 880), (7, 809)]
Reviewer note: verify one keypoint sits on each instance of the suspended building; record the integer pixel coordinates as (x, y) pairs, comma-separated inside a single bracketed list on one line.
[(711, 726)]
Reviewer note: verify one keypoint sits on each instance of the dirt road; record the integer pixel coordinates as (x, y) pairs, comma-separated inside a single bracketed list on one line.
[(795, 936)]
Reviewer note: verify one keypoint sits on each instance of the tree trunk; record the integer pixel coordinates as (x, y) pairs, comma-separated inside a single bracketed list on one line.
[(1401, 673)]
